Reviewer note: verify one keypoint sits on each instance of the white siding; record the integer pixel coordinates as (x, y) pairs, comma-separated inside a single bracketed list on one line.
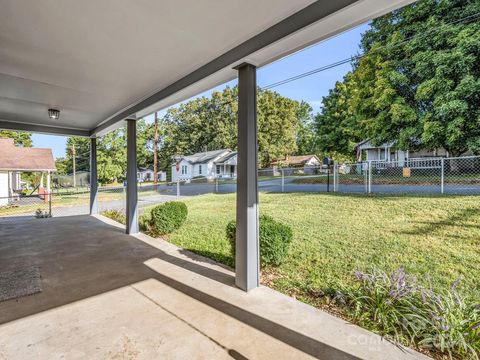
[(3, 188), (182, 176), (311, 162)]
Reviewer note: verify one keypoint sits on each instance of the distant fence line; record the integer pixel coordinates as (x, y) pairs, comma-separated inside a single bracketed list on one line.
[(454, 176)]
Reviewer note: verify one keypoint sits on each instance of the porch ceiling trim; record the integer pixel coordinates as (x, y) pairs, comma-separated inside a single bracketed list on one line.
[(288, 26), (43, 129)]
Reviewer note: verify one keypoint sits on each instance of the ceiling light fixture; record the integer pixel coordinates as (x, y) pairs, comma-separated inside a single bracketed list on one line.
[(54, 114)]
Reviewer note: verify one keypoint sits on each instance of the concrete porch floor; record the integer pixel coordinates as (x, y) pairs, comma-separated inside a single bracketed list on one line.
[(107, 295)]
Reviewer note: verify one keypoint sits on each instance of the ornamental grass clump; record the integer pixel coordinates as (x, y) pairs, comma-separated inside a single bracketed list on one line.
[(397, 306)]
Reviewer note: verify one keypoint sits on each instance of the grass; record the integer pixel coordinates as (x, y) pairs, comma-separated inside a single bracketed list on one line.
[(334, 235)]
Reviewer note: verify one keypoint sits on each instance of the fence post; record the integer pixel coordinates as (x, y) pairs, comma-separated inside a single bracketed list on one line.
[(369, 177), (216, 185), (178, 188), (283, 180), (442, 177), (50, 204), (335, 177)]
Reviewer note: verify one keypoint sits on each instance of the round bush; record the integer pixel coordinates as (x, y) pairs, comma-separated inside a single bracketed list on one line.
[(275, 239), (167, 217)]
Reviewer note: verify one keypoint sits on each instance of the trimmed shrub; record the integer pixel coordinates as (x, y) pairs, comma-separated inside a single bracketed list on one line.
[(275, 239), (167, 217), (115, 215)]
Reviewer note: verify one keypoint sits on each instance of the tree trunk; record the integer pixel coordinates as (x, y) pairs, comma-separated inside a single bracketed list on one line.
[(155, 143)]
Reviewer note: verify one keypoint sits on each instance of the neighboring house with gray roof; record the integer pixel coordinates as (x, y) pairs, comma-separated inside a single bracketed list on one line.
[(208, 164)]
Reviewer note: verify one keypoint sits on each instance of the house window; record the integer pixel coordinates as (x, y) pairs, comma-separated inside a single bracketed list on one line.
[(184, 169), (199, 169), (218, 169)]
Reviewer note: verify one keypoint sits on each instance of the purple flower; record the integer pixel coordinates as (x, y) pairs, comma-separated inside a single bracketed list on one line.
[(455, 284), (476, 326), (445, 327), (359, 275)]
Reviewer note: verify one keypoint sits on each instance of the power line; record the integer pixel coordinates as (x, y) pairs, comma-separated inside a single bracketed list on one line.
[(357, 57)]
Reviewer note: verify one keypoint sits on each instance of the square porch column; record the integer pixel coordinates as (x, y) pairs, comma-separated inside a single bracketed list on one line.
[(247, 261), (132, 196), (93, 177)]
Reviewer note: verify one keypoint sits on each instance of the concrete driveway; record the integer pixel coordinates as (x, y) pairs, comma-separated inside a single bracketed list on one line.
[(107, 295)]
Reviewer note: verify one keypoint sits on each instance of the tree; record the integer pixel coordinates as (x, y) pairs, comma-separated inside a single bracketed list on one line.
[(20, 138), (305, 136), (418, 82), (336, 126), (277, 126), (82, 154), (211, 123), (62, 166)]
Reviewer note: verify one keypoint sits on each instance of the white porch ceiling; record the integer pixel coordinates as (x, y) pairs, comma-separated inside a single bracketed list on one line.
[(93, 59)]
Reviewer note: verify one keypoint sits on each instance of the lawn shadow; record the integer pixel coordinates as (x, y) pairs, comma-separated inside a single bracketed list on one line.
[(428, 227)]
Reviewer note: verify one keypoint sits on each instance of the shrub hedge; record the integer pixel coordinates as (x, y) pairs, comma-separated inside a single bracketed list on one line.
[(166, 218), (275, 239)]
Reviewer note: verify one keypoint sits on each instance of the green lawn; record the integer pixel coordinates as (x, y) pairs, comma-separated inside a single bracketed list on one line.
[(334, 235)]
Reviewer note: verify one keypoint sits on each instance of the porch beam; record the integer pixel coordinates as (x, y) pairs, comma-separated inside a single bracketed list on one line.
[(132, 196), (93, 177), (42, 129), (247, 261)]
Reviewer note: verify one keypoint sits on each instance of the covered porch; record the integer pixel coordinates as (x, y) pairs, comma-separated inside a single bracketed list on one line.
[(111, 292), (106, 294)]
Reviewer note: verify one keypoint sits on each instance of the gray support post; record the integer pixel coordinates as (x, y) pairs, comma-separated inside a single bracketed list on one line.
[(132, 196), (283, 181), (247, 261), (93, 177)]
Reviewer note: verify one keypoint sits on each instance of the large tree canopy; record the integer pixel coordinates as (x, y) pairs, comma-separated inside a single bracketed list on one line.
[(418, 82), (211, 123), (20, 138), (111, 153)]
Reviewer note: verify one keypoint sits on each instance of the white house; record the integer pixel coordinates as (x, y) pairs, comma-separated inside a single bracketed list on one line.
[(14, 160), (209, 164), (366, 151), (146, 174), (298, 161), (309, 163)]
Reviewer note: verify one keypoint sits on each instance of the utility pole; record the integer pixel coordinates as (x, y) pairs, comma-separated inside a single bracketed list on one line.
[(73, 165), (155, 144)]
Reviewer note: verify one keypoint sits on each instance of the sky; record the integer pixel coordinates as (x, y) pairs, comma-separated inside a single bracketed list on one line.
[(310, 89)]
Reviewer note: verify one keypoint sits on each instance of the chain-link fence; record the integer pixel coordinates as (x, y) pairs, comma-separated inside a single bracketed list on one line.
[(460, 175), (457, 176), (20, 206)]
